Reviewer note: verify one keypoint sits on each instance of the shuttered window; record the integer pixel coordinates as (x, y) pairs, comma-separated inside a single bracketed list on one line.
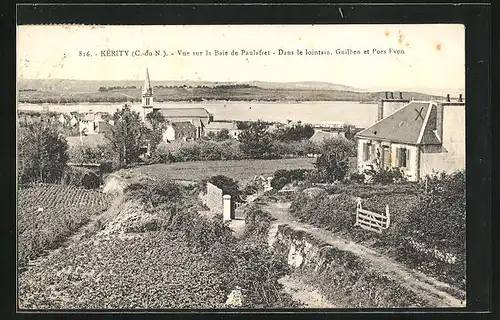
[(366, 151), (403, 157)]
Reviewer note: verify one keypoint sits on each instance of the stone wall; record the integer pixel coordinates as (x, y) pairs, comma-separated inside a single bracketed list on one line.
[(213, 198)]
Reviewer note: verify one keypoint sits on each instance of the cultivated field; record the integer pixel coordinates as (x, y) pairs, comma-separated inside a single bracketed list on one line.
[(148, 271), (47, 214), (240, 170)]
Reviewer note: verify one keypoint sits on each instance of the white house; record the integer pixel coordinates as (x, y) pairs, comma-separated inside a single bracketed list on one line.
[(418, 138), (218, 126), (180, 131)]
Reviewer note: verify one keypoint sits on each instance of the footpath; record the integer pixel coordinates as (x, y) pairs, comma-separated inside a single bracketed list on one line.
[(433, 290)]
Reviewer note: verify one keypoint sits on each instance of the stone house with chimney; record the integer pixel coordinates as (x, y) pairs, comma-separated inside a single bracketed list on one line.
[(417, 137)]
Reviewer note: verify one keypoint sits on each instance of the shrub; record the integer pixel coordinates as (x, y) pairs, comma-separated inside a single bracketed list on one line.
[(439, 217), (293, 148), (357, 177), (334, 162), (85, 154), (81, 177), (386, 176), (257, 222), (154, 194), (283, 177), (253, 187)]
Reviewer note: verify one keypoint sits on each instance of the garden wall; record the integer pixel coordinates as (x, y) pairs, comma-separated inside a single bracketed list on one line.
[(213, 198)]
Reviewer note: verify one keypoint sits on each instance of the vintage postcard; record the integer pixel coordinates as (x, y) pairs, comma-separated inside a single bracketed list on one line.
[(241, 166)]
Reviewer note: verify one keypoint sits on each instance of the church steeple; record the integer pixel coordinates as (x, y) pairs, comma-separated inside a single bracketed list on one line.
[(147, 97), (147, 89)]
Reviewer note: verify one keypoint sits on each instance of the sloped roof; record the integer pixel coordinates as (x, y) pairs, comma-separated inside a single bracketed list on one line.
[(184, 126), (222, 125), (91, 140), (197, 122), (406, 125), (319, 136), (184, 112)]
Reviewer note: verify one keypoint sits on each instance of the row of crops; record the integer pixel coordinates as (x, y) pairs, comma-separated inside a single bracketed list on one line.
[(50, 195), (47, 214)]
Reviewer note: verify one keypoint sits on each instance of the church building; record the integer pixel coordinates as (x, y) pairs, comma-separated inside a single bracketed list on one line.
[(198, 117)]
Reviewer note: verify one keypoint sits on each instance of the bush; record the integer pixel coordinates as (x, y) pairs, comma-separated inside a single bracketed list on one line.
[(81, 177), (283, 177), (386, 176), (154, 194), (294, 148), (334, 162), (85, 154), (357, 177), (439, 217), (335, 211), (257, 223)]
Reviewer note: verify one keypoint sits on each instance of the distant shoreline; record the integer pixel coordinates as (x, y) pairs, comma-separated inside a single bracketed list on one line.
[(173, 102)]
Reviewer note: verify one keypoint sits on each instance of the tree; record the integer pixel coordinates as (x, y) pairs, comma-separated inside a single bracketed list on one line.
[(128, 136), (294, 133), (86, 154), (158, 125), (256, 141), (334, 162), (222, 135), (43, 153)]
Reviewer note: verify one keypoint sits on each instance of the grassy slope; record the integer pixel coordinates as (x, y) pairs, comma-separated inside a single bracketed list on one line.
[(240, 170)]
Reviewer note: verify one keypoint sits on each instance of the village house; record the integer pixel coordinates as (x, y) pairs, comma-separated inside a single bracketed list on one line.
[(180, 131), (93, 123), (217, 126), (418, 138)]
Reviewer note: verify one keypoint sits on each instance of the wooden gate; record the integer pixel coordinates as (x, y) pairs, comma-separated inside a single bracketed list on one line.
[(239, 210), (370, 220)]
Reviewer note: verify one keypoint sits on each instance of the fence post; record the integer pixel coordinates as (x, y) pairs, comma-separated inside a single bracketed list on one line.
[(358, 206), (226, 206), (388, 222)]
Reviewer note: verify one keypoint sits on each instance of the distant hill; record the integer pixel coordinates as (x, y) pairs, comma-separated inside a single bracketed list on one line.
[(93, 85), (77, 91)]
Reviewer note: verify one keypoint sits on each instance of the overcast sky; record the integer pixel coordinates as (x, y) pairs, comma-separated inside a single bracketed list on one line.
[(434, 56)]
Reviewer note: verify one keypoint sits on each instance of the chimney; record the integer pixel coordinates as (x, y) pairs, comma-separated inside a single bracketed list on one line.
[(448, 98), (439, 121), (400, 95), (387, 95), (460, 98), (392, 95), (380, 110)]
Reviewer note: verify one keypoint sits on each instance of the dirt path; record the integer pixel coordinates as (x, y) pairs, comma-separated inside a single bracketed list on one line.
[(305, 294), (435, 291)]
